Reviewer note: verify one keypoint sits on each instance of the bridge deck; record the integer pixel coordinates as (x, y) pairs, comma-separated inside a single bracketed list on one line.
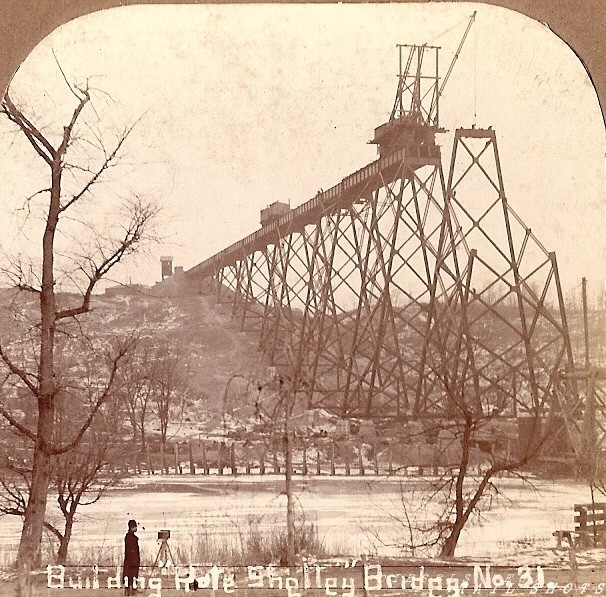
[(360, 184)]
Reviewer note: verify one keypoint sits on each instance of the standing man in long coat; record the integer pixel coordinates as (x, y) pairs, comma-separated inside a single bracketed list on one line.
[(132, 559)]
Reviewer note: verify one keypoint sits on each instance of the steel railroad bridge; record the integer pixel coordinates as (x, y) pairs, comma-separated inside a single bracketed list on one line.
[(403, 291), (356, 187)]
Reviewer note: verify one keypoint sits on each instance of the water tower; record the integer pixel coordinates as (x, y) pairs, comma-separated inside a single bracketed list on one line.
[(167, 266)]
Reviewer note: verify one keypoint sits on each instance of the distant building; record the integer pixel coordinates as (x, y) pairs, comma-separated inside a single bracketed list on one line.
[(167, 266), (174, 282), (126, 290)]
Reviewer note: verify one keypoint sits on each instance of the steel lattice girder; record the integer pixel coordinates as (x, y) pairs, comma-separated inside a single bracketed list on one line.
[(416, 290), (581, 399), (499, 322)]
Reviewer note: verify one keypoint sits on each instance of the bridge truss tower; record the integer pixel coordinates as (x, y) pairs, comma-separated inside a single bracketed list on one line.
[(400, 292)]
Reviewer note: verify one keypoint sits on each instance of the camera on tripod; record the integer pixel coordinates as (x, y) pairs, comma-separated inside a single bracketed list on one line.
[(164, 559)]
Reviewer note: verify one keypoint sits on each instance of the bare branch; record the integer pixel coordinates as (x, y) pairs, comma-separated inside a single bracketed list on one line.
[(21, 373), (141, 215), (123, 350), (36, 139), (107, 163), (18, 277), (22, 429), (63, 74), (53, 530), (67, 130), (23, 471)]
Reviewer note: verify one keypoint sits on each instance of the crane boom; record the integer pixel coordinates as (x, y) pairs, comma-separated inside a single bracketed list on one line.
[(471, 21), (456, 56)]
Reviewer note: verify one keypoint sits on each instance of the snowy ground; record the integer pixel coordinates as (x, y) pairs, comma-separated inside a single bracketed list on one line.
[(517, 529)]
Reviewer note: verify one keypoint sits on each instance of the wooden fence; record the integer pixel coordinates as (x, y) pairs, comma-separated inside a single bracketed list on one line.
[(309, 458)]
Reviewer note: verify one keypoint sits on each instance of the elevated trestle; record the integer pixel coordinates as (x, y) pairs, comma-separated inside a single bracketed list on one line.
[(402, 293)]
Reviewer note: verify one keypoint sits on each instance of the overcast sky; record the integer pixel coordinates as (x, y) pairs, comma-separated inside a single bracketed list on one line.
[(241, 106)]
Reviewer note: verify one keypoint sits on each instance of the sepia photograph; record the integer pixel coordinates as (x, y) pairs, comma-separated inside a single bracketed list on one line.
[(302, 299)]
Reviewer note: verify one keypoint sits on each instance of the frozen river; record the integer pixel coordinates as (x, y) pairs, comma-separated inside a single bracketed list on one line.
[(347, 511)]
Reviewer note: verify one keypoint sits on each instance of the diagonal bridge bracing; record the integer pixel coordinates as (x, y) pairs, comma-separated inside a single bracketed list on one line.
[(397, 281), (399, 286)]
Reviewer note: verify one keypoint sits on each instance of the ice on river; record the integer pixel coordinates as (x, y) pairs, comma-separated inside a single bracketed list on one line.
[(347, 511)]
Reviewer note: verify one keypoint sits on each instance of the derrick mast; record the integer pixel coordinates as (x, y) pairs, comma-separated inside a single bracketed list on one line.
[(414, 118)]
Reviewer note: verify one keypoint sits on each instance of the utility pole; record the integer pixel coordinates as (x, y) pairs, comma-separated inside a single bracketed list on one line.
[(585, 323), (589, 451)]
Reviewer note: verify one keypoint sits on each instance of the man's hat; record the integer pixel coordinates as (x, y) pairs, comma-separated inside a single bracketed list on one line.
[(132, 523)]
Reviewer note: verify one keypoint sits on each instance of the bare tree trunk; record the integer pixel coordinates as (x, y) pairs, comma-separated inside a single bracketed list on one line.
[(33, 522), (24, 581), (448, 549), (290, 510), (134, 457), (67, 535), (462, 514)]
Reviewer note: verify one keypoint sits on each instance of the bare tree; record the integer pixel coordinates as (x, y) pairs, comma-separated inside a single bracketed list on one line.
[(417, 517), (136, 391), (76, 163), (290, 388), (474, 401), (79, 477), (168, 385), (278, 395)]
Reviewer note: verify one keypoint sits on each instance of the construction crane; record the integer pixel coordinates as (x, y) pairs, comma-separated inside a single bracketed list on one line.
[(414, 118)]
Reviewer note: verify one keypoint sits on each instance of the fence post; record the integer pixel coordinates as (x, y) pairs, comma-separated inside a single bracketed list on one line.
[(232, 455), (276, 463), (360, 462), (247, 457), (262, 463), (304, 458), (574, 568), (374, 451), (332, 458), (205, 460), (192, 465), (390, 456), (318, 461), (150, 466), (163, 462), (220, 458), (347, 469)]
